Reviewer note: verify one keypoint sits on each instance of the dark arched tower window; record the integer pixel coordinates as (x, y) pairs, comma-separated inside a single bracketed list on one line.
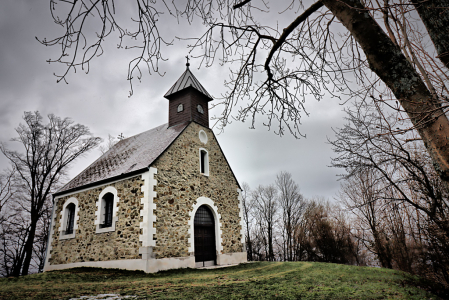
[(70, 218)]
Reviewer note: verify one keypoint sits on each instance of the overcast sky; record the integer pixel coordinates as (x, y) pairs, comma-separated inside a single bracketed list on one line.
[(100, 101)]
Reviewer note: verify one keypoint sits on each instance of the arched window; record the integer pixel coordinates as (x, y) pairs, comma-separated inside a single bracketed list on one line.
[(70, 219), (107, 206), (180, 107), (107, 209)]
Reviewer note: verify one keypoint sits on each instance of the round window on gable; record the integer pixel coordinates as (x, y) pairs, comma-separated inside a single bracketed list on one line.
[(200, 109), (203, 137), (180, 107)]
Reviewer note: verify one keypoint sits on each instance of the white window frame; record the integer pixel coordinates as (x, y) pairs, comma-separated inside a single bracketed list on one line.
[(206, 162), (101, 207), (63, 219)]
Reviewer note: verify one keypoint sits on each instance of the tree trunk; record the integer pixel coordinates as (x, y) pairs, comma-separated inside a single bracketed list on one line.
[(388, 62), (382, 250), (249, 247), (435, 16), (28, 249)]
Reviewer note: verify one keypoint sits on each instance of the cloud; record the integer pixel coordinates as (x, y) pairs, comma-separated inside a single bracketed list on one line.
[(100, 101)]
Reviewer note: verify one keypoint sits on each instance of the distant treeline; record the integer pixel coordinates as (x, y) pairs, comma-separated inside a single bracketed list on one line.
[(392, 209)]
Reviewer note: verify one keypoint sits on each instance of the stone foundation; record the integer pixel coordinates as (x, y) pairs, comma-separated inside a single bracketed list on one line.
[(151, 265)]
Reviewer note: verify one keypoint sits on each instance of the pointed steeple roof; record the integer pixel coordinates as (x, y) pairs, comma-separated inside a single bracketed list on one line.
[(187, 79)]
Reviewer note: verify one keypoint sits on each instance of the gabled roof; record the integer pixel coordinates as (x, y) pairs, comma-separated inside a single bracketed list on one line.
[(187, 80), (127, 156)]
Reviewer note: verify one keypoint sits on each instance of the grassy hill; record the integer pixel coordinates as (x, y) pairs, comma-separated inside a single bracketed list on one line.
[(262, 280)]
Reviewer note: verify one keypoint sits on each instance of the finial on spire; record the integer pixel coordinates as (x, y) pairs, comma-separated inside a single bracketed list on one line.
[(187, 64)]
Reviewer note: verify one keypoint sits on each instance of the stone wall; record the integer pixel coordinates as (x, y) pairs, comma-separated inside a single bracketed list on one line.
[(123, 243), (179, 184)]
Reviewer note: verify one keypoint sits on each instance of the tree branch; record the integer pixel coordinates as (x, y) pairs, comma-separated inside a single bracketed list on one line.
[(313, 8), (238, 5)]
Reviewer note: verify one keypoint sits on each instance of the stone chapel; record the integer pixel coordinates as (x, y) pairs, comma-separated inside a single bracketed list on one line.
[(162, 199)]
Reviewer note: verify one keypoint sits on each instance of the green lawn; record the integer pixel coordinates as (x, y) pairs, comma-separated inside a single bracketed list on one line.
[(262, 280)]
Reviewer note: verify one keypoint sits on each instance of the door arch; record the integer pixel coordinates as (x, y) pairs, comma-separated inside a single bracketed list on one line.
[(204, 237)]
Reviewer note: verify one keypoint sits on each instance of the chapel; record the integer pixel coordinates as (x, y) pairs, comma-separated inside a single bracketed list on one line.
[(163, 199)]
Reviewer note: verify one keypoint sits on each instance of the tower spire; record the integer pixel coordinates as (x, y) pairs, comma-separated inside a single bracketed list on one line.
[(187, 64)]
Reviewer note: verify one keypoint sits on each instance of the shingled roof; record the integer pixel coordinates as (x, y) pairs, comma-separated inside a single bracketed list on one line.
[(187, 80), (128, 156)]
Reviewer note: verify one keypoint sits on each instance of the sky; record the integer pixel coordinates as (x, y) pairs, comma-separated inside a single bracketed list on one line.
[(100, 101)]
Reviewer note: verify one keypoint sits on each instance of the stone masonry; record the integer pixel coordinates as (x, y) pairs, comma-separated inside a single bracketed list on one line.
[(123, 243), (179, 184)]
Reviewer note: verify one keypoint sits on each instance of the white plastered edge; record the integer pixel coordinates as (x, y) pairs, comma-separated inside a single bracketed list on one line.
[(242, 230), (149, 207), (217, 218)]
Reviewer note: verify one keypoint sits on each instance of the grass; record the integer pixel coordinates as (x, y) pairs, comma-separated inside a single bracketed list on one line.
[(262, 280)]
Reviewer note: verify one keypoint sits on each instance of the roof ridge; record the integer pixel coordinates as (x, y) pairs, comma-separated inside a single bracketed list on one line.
[(182, 82)]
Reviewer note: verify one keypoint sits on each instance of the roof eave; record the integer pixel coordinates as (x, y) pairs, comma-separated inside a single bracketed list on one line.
[(101, 182), (171, 96)]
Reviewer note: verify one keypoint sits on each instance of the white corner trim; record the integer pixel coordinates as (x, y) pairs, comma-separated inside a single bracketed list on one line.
[(149, 207), (202, 136), (98, 212), (242, 230), (217, 219), (63, 219), (52, 233)]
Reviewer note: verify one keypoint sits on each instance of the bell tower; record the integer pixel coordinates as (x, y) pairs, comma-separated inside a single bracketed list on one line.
[(188, 101)]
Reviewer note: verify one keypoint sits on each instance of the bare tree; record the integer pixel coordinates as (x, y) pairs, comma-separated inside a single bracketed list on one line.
[(48, 151), (13, 235), (361, 196), (108, 144), (266, 210), (6, 190), (325, 235), (435, 17), (292, 205), (394, 189), (247, 207)]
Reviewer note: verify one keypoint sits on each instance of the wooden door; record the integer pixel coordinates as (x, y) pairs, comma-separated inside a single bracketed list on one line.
[(204, 236)]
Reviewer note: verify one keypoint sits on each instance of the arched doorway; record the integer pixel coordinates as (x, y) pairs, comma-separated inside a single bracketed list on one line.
[(204, 235)]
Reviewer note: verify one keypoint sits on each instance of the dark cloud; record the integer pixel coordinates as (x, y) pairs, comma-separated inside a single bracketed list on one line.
[(100, 101)]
